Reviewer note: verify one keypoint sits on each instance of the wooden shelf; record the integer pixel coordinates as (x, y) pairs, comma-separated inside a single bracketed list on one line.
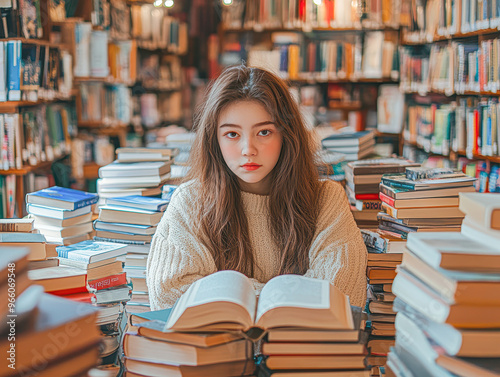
[(495, 159), (307, 30), (101, 124), (441, 38), (28, 168), (12, 106), (107, 80), (442, 92), (360, 80)]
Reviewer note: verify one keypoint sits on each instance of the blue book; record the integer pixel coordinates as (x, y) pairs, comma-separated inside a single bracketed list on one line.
[(61, 197), (140, 202), (14, 70), (91, 251)]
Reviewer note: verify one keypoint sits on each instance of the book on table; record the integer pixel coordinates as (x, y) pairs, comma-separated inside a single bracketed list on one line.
[(400, 181), (140, 202), (56, 213), (135, 169), (228, 302), (92, 251)]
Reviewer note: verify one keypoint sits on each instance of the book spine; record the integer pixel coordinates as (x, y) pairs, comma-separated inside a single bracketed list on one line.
[(395, 184), (108, 281), (3, 71), (14, 70)]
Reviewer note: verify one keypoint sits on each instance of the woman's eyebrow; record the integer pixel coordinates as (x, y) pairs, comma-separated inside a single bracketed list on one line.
[(255, 125)]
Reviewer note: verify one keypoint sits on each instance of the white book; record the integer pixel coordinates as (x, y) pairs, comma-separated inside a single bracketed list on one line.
[(99, 53), (136, 182), (3, 73), (82, 49), (134, 169), (56, 213)]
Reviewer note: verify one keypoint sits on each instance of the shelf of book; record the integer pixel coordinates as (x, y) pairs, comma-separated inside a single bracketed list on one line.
[(453, 154), (28, 168), (258, 29), (33, 41), (360, 80), (419, 39), (107, 80), (450, 94), (10, 107)]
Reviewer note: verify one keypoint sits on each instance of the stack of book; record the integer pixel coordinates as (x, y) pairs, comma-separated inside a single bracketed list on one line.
[(423, 200), (385, 253), (36, 323), (353, 145), (20, 233), (143, 178), (362, 186), (132, 220), (91, 272), (447, 301), (62, 215)]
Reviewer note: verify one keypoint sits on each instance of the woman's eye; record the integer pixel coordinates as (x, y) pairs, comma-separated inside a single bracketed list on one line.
[(264, 132), (232, 135)]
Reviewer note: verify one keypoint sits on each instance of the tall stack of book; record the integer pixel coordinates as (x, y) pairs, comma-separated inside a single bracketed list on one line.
[(384, 255), (423, 200), (36, 323), (132, 220), (447, 301), (62, 215), (91, 272), (362, 186), (353, 145), (144, 178), (128, 157)]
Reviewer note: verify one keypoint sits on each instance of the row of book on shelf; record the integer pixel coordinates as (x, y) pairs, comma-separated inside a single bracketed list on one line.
[(371, 55), (441, 18), (311, 14), (457, 67)]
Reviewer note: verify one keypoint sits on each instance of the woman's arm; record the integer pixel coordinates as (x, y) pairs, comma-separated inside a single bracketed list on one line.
[(177, 257), (338, 252)]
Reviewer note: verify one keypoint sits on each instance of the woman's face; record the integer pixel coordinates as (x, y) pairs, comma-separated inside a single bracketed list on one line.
[(250, 143)]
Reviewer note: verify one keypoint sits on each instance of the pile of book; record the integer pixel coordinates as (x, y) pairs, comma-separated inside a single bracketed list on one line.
[(45, 335), (385, 253), (353, 145), (362, 186), (447, 298), (423, 200), (132, 220), (137, 171), (91, 272), (62, 215)]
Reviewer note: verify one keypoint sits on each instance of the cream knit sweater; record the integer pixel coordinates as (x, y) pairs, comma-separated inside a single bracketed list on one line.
[(177, 257)]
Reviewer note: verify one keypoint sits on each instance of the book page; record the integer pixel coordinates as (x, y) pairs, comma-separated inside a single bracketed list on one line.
[(229, 286), (294, 290)]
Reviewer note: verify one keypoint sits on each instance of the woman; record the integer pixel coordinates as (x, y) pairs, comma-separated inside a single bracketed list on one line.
[(253, 201)]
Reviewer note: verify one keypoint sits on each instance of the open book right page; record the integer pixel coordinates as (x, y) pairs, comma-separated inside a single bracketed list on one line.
[(312, 297)]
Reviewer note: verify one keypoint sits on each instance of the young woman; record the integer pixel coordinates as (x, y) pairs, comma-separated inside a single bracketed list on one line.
[(253, 201)]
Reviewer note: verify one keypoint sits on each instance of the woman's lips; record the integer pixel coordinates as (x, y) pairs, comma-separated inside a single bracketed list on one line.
[(251, 166)]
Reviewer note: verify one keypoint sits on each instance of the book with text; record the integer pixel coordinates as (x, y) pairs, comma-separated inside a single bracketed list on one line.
[(61, 197), (228, 302)]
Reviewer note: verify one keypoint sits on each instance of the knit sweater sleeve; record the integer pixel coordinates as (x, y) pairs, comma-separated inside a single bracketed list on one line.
[(338, 252), (177, 257)]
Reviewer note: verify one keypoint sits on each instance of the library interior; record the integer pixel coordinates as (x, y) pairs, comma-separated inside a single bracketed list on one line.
[(108, 187)]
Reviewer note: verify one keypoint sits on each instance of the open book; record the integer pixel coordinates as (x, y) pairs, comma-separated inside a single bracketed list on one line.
[(226, 301)]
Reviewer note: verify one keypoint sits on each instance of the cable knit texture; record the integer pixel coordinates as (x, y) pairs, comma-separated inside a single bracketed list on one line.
[(178, 258)]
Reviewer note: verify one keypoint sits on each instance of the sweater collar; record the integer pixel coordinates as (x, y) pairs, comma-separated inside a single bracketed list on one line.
[(253, 203)]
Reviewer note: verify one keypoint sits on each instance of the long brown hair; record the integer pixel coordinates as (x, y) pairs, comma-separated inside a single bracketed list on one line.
[(293, 197)]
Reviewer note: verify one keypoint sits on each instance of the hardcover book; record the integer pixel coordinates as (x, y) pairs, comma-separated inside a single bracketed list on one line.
[(91, 251), (228, 302), (61, 197)]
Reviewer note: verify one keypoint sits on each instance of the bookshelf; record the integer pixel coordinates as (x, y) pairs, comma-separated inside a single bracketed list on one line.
[(450, 77), (347, 50)]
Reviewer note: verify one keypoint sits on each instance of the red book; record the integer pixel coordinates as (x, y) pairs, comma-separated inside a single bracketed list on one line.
[(367, 196), (387, 199), (108, 281), (64, 292), (82, 297)]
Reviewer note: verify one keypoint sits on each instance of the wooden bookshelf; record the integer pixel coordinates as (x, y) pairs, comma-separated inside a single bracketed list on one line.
[(440, 38)]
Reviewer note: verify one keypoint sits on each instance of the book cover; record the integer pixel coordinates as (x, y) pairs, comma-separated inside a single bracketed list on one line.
[(61, 197), (14, 70), (140, 202), (91, 251)]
